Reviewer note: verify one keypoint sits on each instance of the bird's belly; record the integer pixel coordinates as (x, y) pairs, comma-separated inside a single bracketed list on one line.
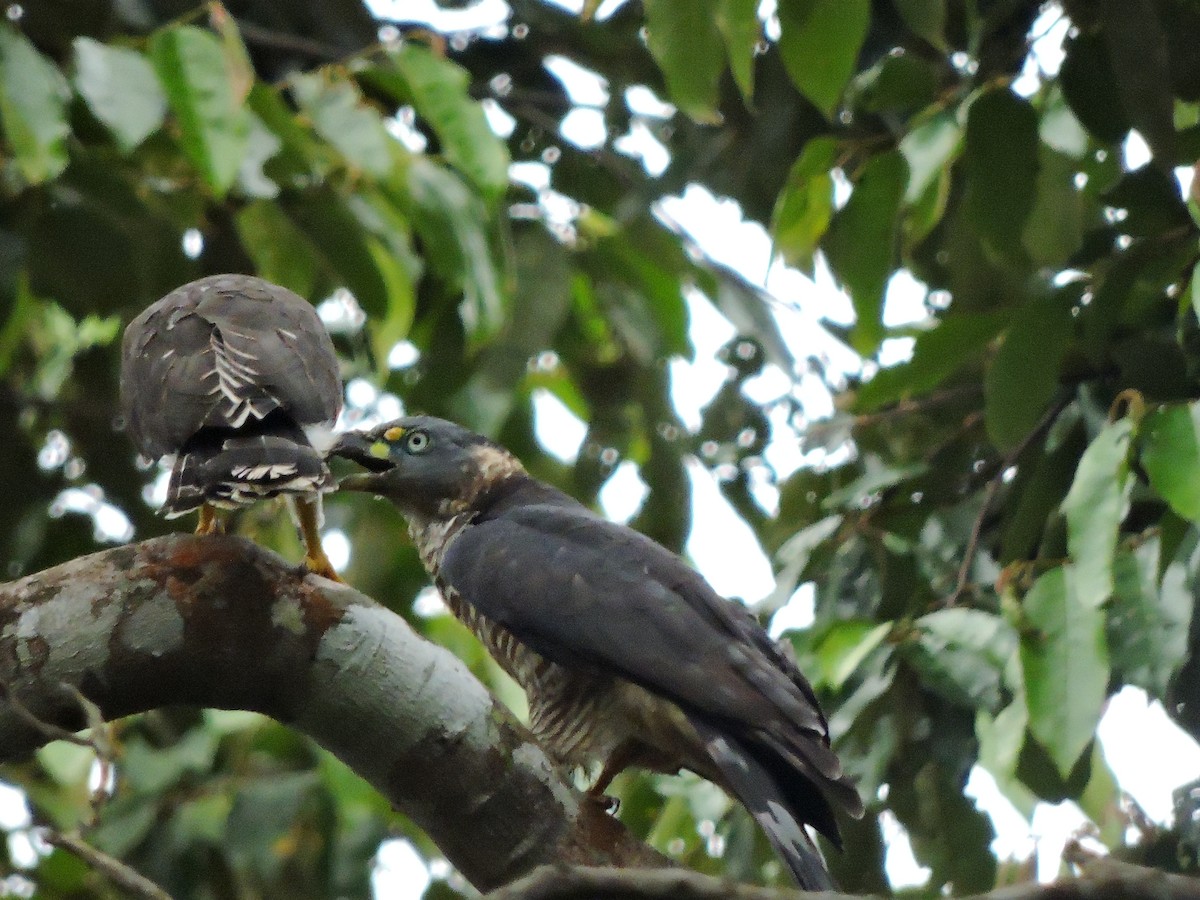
[(583, 718)]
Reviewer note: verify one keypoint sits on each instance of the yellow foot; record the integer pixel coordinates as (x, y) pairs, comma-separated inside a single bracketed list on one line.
[(210, 522), (323, 568)]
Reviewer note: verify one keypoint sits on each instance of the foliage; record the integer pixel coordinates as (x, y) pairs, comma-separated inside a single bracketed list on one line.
[(1001, 531)]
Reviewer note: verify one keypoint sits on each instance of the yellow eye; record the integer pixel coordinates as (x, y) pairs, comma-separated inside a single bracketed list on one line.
[(394, 433)]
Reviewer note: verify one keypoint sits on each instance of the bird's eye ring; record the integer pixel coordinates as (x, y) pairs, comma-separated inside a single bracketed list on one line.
[(417, 442)]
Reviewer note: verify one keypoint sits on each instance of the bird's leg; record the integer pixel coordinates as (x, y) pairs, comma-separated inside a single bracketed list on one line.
[(209, 522), (310, 530), (617, 763)]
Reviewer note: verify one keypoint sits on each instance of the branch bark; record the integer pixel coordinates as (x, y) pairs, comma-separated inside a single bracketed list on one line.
[(217, 621), (1101, 879)]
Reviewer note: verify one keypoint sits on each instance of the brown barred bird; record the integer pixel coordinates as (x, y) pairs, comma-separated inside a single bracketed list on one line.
[(233, 382), (627, 656)]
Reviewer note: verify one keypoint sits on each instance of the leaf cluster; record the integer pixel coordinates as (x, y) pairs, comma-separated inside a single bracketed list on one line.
[(999, 533)]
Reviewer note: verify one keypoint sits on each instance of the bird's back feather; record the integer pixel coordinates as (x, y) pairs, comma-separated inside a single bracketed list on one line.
[(594, 596), (220, 352)]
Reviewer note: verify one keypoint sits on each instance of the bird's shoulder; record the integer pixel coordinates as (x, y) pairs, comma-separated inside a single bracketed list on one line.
[(580, 588)]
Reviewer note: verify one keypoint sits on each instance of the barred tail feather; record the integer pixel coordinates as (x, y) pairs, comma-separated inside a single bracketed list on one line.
[(755, 788), (235, 471)]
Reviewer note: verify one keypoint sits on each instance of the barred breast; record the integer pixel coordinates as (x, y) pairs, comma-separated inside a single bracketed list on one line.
[(580, 718)]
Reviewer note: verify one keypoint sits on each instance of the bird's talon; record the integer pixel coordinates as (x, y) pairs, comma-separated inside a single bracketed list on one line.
[(606, 802)]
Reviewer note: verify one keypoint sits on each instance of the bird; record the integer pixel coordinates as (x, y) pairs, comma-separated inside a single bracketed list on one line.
[(627, 655), (233, 382)]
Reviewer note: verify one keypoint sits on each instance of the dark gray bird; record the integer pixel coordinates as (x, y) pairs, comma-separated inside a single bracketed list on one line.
[(234, 383), (627, 656)]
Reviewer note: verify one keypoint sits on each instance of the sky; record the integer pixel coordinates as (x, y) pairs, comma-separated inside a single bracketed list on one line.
[(1148, 753)]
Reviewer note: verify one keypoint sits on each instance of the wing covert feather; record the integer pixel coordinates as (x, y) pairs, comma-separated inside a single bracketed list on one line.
[(586, 592)]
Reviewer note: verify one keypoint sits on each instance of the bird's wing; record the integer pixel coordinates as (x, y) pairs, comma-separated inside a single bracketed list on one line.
[(218, 351), (165, 394), (588, 593), (273, 349)]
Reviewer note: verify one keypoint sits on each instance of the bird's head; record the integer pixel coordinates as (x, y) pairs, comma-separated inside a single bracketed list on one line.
[(428, 467)]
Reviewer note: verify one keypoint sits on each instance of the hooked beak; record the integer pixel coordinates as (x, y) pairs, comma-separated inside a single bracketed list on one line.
[(362, 448)]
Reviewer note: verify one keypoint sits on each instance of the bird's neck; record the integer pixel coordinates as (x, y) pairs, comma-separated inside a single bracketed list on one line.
[(433, 536)]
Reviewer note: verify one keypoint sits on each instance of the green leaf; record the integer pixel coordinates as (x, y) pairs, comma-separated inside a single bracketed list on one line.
[(262, 144), (1148, 623), (876, 478), (1137, 51), (937, 354), (1024, 374), (861, 244), (1195, 289), (926, 19), (33, 108), (1170, 454), (192, 66), (1054, 229), (805, 205), (264, 811), (1038, 489), (68, 764), (1060, 129), (127, 821), (1095, 506), (450, 219), (928, 149), (439, 91), (1102, 801), (899, 84), (951, 835), (340, 115), (748, 309), (351, 252), (540, 304), (1000, 741), (397, 260), (962, 654), (686, 43), (62, 874), (121, 90), (819, 41), (1090, 87), (149, 770), (737, 20), (844, 648), (1064, 660), (794, 554), (281, 251), (1001, 159)]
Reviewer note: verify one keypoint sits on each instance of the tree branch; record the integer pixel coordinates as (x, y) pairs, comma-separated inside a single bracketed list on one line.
[(1101, 879), (129, 881), (217, 621)]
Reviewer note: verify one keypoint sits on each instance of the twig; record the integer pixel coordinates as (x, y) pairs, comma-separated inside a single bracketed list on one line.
[(294, 43), (989, 494), (51, 731), (116, 871), (99, 741)]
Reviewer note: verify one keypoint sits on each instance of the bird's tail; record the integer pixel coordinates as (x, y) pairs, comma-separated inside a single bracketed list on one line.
[(757, 790), (234, 468)]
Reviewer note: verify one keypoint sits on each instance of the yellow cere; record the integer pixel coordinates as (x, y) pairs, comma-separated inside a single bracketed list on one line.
[(394, 433), (380, 449)]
